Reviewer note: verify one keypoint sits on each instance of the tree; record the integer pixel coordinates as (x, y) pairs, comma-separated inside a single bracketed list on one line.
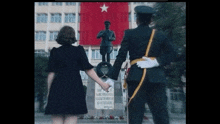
[(40, 75), (170, 17)]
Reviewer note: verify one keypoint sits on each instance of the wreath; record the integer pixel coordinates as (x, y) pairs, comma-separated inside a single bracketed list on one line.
[(99, 66)]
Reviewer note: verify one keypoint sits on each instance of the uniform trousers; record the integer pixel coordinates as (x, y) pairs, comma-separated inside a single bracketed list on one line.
[(154, 94)]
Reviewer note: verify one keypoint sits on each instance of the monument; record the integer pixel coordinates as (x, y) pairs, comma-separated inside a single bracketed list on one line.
[(107, 37), (99, 102)]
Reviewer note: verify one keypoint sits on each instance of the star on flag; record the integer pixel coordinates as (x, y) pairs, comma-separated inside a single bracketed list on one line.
[(104, 8)]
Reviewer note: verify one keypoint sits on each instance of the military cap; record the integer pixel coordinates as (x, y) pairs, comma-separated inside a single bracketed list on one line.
[(144, 10), (107, 22)]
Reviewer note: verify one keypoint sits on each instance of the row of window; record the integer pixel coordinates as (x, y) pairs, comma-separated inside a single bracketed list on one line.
[(69, 17), (41, 35), (95, 53), (56, 17), (55, 3), (73, 3)]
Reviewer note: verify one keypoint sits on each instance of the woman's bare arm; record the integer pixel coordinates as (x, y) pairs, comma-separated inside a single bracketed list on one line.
[(91, 73)]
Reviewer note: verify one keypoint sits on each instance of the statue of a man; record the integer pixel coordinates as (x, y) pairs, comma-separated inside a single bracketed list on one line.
[(107, 37)]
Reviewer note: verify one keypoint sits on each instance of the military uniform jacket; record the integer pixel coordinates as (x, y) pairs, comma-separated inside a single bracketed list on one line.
[(135, 41), (106, 38)]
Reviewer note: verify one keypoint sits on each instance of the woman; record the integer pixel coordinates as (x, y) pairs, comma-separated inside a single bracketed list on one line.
[(66, 98)]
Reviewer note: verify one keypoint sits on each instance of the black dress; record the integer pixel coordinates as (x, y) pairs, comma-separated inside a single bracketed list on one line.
[(66, 92)]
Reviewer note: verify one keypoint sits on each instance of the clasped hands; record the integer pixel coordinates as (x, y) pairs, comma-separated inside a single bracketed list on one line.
[(109, 83)]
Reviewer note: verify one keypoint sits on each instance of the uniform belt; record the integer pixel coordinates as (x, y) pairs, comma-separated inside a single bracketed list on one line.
[(132, 63), (140, 59)]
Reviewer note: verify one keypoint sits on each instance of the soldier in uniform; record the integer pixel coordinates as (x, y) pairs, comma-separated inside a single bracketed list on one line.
[(153, 89), (107, 37)]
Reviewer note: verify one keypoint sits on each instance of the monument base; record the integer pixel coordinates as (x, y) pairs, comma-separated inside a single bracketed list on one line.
[(92, 99)]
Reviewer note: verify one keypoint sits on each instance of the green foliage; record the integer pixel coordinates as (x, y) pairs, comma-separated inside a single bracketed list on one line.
[(40, 75), (170, 18)]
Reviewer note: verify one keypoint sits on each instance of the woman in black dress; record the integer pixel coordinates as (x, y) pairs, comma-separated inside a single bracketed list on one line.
[(66, 97)]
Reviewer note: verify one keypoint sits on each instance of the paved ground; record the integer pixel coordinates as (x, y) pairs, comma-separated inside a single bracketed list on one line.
[(40, 118)]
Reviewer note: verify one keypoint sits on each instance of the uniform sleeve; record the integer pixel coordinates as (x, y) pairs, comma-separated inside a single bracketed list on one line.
[(83, 61), (52, 61), (120, 58)]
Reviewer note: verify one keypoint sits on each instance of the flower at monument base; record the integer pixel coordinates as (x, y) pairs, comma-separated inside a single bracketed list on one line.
[(101, 117), (81, 117), (92, 117), (111, 117), (145, 118), (121, 117)]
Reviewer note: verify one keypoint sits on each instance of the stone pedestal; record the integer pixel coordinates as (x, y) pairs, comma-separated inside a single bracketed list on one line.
[(94, 96)]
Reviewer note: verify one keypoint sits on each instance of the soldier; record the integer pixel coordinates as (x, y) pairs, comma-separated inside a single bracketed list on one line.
[(153, 89), (107, 37)]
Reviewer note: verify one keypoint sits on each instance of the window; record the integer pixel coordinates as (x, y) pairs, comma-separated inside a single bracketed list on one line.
[(113, 54), (175, 94), (87, 52), (57, 3), (96, 54), (43, 3), (78, 36), (79, 18), (40, 35), (53, 35), (70, 3), (41, 18), (69, 17), (55, 17), (138, 2), (135, 16), (129, 17)]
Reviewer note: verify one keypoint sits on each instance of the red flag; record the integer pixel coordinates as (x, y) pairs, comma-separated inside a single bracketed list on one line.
[(93, 15)]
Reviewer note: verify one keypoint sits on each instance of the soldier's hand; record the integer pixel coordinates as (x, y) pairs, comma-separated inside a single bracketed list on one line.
[(110, 82), (105, 86), (147, 63)]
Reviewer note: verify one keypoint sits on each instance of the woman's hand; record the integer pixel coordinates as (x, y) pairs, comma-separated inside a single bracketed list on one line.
[(105, 86), (91, 73)]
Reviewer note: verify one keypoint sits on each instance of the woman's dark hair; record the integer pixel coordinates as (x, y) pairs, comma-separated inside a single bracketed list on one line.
[(144, 18), (66, 36)]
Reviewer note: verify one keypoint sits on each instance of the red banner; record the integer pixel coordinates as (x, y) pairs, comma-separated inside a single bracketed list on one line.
[(93, 15)]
